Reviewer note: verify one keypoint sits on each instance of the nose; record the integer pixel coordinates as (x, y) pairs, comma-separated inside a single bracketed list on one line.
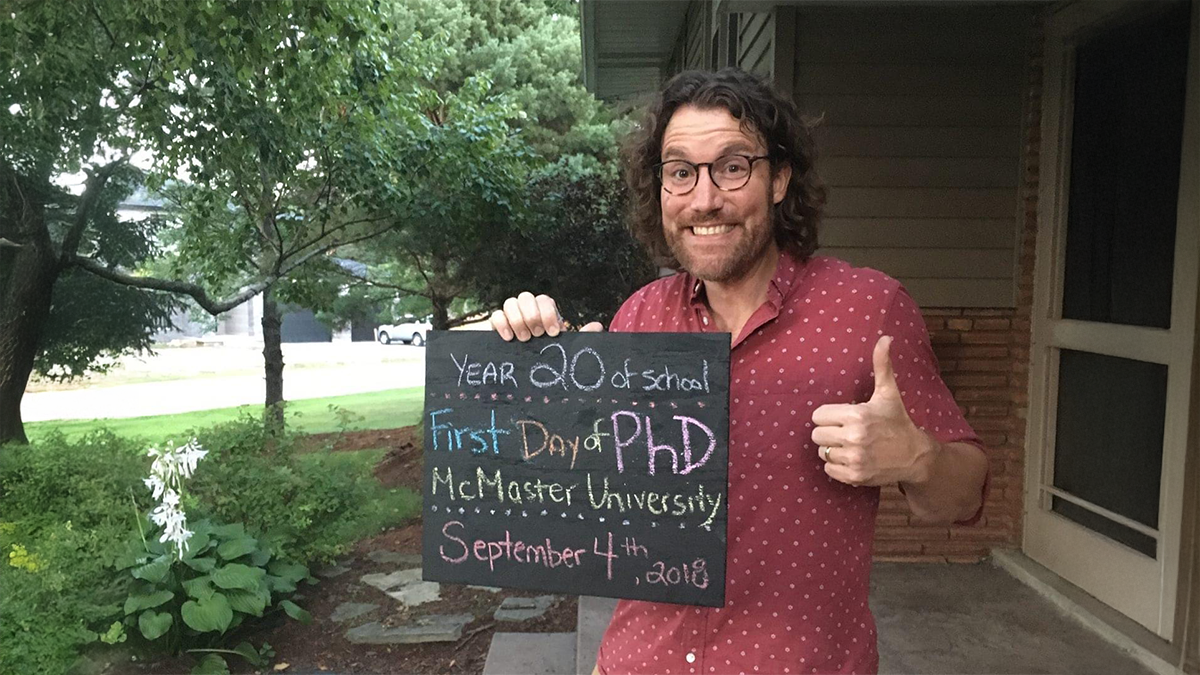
[(706, 196)]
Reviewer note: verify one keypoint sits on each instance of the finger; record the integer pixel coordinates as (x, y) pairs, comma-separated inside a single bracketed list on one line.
[(530, 312), (500, 325), (512, 312), (833, 436), (551, 318), (829, 457), (593, 327), (840, 473), (885, 375), (836, 414)]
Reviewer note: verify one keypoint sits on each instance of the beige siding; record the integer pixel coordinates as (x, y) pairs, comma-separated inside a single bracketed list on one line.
[(756, 31), (694, 38), (919, 142)]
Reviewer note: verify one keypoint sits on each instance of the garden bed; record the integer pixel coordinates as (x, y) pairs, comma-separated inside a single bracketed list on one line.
[(322, 646)]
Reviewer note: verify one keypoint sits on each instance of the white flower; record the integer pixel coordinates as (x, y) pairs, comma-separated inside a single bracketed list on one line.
[(171, 466), (156, 485)]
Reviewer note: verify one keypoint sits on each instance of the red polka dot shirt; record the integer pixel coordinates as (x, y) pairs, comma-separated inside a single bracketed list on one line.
[(799, 542)]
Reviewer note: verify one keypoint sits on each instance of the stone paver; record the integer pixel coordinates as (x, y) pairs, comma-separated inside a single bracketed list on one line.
[(531, 654), (432, 628), (386, 582), (417, 593), (351, 610), (523, 609)]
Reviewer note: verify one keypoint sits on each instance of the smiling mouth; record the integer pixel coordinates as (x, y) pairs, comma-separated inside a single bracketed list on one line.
[(710, 230)]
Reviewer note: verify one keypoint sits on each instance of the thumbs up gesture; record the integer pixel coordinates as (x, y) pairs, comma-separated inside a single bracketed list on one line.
[(872, 443)]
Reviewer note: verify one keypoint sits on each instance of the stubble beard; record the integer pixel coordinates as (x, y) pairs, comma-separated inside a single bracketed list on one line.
[(737, 263)]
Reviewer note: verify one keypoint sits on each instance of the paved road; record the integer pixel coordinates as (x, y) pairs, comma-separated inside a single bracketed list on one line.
[(219, 377)]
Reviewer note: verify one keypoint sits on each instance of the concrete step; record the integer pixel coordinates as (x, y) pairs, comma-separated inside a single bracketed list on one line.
[(531, 654), (594, 615)]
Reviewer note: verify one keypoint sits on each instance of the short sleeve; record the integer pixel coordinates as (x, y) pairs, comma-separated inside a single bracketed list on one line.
[(622, 321), (926, 397)]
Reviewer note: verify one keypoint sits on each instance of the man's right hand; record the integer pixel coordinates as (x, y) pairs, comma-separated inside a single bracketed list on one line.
[(527, 316)]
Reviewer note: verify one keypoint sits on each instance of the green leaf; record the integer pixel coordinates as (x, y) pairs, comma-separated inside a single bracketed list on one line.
[(115, 634), (280, 584), (200, 588), (235, 575), (248, 652), (236, 548), (249, 602), (203, 565), (291, 571), (295, 611), (211, 664), (154, 624), (131, 557), (137, 601), (260, 557), (234, 531), (213, 614), (154, 571), (196, 545)]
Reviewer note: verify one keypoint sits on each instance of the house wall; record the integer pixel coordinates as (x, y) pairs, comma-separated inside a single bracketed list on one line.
[(919, 142), (755, 38), (242, 320), (929, 145)]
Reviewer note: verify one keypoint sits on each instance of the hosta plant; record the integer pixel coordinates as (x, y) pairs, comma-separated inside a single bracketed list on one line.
[(192, 587)]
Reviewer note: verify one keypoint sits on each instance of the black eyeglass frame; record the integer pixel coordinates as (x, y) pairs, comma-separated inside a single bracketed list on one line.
[(749, 172)]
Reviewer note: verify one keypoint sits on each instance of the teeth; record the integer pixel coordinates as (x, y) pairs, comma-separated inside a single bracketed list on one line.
[(712, 229)]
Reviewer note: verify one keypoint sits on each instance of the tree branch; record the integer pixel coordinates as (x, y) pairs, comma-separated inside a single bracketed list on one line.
[(380, 284), (212, 306), (417, 260), (111, 40), (325, 233), (466, 318), (197, 292), (87, 201)]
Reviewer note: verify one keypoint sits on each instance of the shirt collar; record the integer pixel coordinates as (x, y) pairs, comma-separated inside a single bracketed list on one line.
[(787, 271)]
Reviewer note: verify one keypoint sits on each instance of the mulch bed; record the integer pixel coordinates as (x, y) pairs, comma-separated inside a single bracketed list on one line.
[(321, 646)]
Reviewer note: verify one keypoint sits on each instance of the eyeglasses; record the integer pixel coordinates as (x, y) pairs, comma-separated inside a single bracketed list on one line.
[(730, 172)]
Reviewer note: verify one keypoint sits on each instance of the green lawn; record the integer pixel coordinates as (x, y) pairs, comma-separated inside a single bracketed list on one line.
[(374, 410)]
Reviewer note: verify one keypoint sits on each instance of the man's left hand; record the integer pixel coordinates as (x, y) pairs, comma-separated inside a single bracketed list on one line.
[(873, 443)]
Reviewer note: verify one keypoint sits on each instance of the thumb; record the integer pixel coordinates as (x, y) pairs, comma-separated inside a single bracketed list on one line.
[(593, 327), (885, 375)]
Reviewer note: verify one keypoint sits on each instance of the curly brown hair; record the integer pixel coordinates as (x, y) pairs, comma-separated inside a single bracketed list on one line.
[(762, 111)]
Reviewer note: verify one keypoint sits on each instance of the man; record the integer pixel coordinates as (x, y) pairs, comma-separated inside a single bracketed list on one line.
[(834, 388)]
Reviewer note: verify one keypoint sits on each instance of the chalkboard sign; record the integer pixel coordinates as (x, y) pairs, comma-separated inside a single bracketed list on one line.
[(589, 464)]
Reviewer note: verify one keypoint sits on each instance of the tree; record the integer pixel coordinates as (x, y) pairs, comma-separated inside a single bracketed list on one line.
[(282, 116), (573, 245), (524, 57), (461, 200), (528, 51)]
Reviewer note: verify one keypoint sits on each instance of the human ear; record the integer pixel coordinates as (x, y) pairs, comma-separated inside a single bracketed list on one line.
[(779, 183)]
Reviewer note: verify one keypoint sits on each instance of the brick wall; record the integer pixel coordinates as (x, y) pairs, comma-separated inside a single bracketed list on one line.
[(984, 357)]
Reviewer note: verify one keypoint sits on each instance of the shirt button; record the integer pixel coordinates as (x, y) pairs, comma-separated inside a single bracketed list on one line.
[(704, 319), (691, 658)]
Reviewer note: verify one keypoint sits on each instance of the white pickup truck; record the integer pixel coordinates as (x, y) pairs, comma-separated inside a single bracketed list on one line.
[(409, 332)]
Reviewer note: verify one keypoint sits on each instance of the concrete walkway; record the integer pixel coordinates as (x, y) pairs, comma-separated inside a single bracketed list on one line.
[(979, 619), (949, 619)]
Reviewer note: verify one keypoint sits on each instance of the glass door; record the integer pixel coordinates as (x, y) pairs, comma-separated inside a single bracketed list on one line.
[(1114, 315)]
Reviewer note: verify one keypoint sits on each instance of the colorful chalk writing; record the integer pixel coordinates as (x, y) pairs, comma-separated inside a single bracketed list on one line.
[(590, 463)]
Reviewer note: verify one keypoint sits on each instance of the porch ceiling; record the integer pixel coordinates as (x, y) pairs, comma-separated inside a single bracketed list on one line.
[(627, 43)]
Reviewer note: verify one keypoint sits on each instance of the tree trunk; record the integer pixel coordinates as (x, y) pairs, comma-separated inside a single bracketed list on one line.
[(273, 361), (28, 271), (441, 313)]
